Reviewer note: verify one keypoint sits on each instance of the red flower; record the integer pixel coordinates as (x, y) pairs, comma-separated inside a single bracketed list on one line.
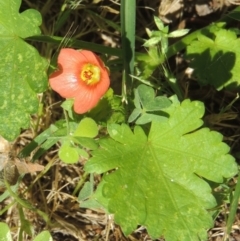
[(81, 75)]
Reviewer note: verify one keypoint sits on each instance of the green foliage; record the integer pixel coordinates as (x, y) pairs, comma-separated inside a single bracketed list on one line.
[(68, 153), (22, 70), (44, 235), (147, 63), (87, 128), (109, 109), (146, 104), (161, 35), (215, 58), (74, 138), (5, 234), (93, 200), (158, 179)]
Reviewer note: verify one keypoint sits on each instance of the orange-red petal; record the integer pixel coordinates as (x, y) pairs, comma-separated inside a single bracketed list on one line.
[(65, 83), (88, 98)]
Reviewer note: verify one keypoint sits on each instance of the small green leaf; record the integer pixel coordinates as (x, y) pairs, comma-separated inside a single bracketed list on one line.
[(67, 105), (156, 34), (22, 69), (5, 234), (82, 153), (165, 30), (178, 33), (147, 63), (136, 100), (148, 100), (146, 103), (135, 114), (158, 22), (86, 191), (96, 200), (86, 142), (152, 41), (68, 154), (43, 236), (87, 128)]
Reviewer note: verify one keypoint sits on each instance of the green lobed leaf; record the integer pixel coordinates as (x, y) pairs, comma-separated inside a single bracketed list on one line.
[(216, 60), (5, 234), (22, 69), (158, 180)]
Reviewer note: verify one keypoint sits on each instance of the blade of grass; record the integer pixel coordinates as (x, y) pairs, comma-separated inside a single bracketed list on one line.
[(25, 204), (63, 17), (111, 24), (64, 14), (128, 19), (78, 44), (99, 18), (26, 151)]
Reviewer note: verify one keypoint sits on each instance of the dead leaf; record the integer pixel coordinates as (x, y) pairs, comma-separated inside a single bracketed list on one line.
[(27, 167)]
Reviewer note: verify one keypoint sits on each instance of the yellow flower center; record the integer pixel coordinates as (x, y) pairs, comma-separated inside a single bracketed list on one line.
[(90, 74)]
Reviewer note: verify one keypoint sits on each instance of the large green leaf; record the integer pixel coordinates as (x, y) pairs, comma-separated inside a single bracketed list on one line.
[(216, 60), (22, 69), (158, 180)]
